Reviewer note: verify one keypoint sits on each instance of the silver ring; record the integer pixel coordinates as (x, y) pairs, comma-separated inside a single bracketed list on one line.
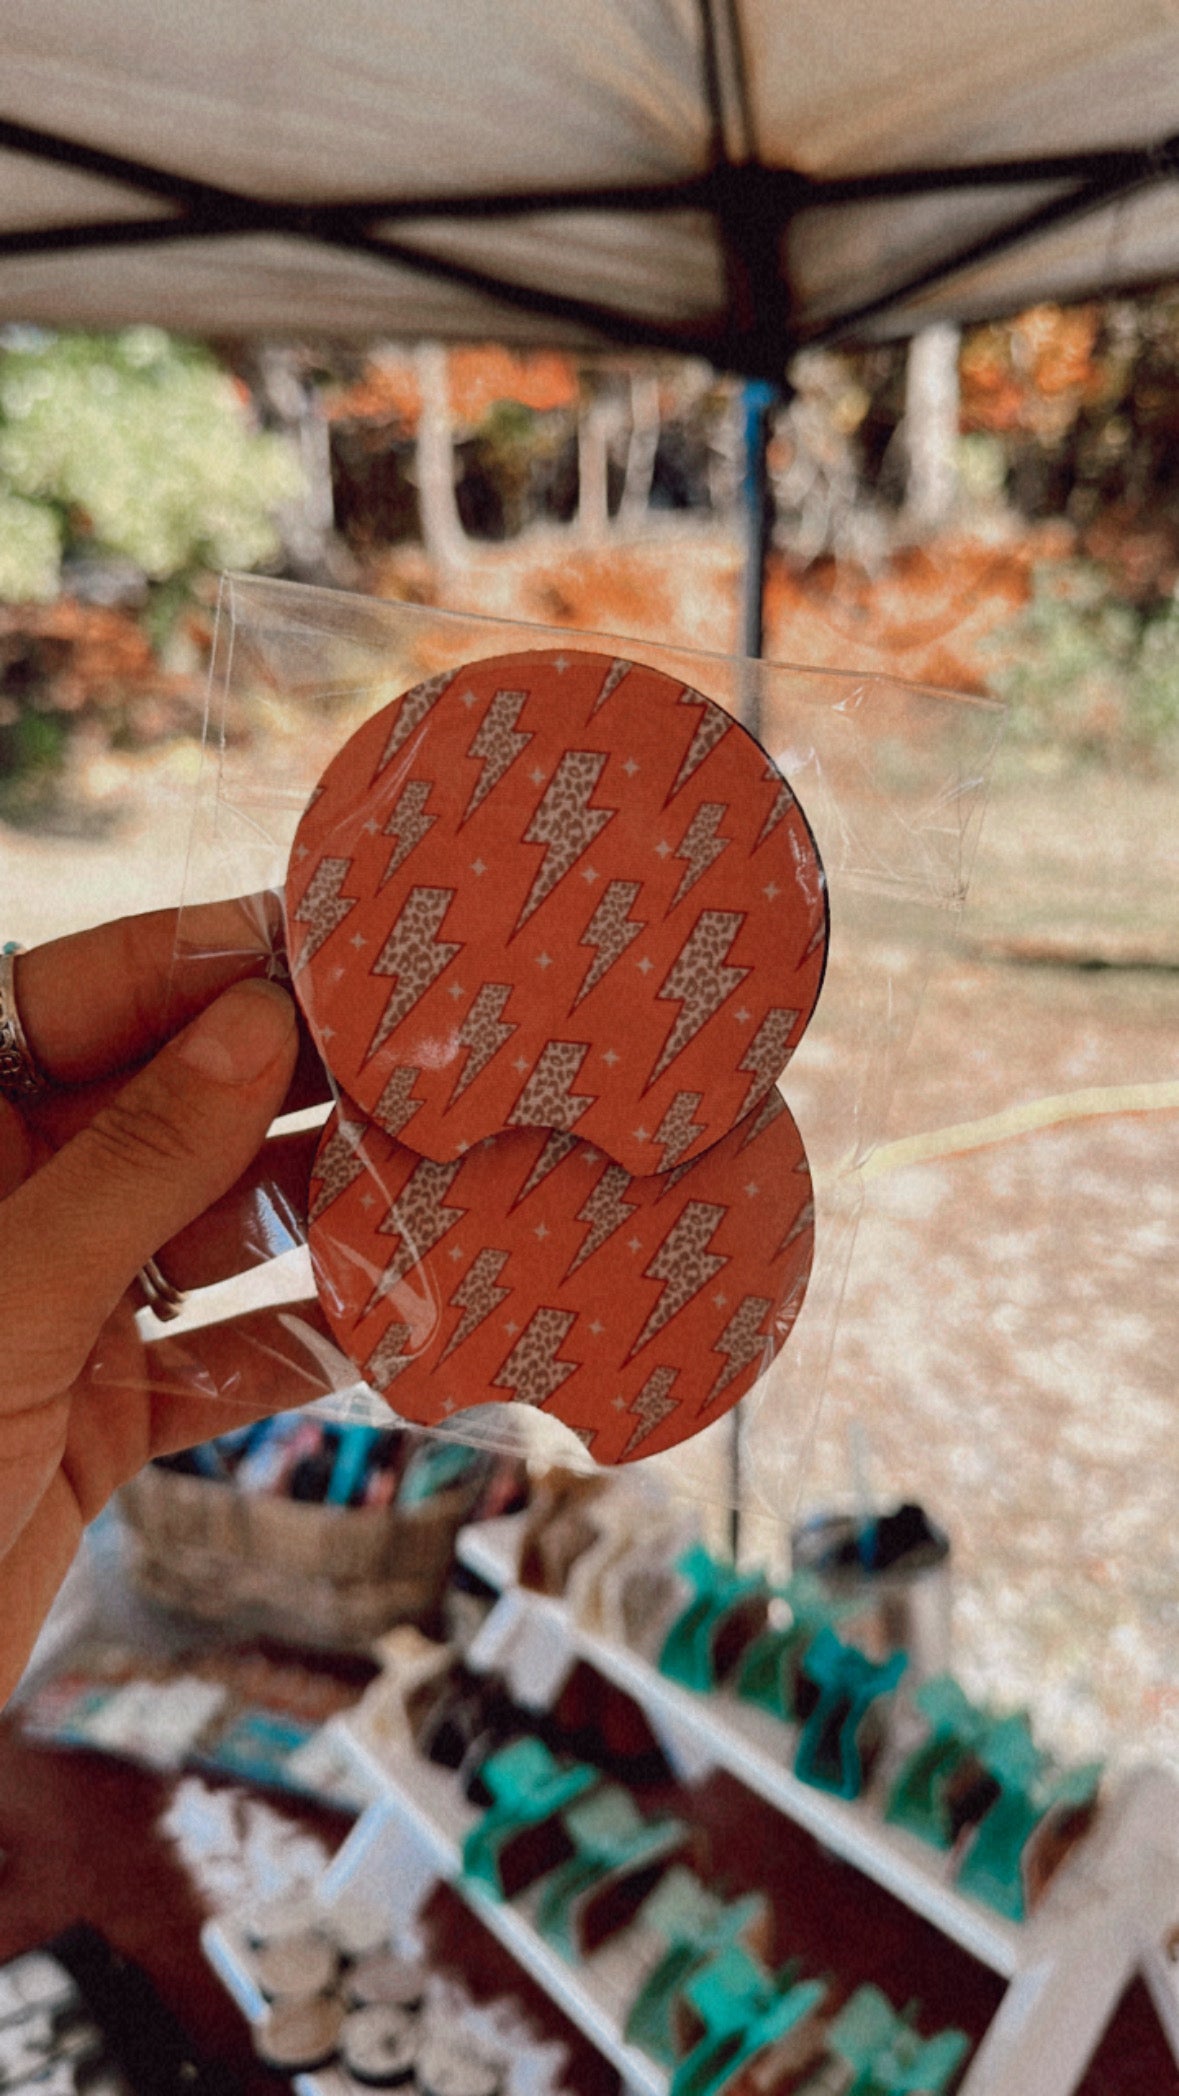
[(163, 1300), (20, 1078)]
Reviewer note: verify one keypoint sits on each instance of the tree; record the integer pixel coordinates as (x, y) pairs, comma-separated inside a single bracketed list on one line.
[(135, 445)]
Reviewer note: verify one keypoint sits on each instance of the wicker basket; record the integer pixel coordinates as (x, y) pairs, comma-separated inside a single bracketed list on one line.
[(312, 1574)]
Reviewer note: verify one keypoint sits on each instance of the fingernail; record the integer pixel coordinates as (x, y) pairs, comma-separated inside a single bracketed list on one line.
[(239, 1036)]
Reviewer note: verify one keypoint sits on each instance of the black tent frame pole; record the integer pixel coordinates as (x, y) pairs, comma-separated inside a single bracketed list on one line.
[(751, 205), (760, 401)]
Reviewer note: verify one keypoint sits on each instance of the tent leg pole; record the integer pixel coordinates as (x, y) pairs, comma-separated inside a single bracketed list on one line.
[(758, 401)]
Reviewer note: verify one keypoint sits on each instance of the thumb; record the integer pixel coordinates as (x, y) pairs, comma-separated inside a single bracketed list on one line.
[(174, 1140)]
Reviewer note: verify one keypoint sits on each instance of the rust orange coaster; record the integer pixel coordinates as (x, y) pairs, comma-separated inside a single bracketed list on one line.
[(537, 1271), (560, 891)]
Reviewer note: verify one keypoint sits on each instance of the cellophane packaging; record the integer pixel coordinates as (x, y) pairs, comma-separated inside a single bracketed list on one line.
[(890, 779)]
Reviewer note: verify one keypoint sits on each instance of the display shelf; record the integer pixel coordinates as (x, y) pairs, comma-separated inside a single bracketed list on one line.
[(424, 1807), (224, 1944), (748, 1742), (1104, 1917), (1066, 1967), (396, 1854)]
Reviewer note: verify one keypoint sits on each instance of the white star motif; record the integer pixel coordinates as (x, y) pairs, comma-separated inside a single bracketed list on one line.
[(301, 851), (456, 1252), (337, 975), (477, 867), (511, 1329), (544, 960), (372, 826), (609, 1056), (619, 1404), (771, 890), (720, 1299), (645, 965), (642, 1135), (663, 849), (469, 699), (630, 767), (456, 990), (327, 1033), (560, 664), (358, 940), (634, 1244), (752, 1188), (597, 1328), (589, 873), (742, 1015), (521, 1064), (541, 1231), (537, 776), (448, 1404), (589, 1157), (368, 1200)]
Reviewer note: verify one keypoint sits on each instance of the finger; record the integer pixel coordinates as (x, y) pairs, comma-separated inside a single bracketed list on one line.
[(55, 1117), (174, 1141), (101, 1001), (221, 1376), (16, 1149), (31, 1574), (263, 1215), (207, 1383)]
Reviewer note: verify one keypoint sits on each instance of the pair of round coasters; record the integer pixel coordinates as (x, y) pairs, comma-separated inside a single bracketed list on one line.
[(557, 924), (338, 1995)]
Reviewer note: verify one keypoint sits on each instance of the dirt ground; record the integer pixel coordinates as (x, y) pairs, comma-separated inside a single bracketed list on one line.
[(1008, 1348), (1009, 1344)]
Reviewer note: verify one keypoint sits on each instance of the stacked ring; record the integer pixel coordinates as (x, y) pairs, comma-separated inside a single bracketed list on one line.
[(163, 1300), (20, 1078)]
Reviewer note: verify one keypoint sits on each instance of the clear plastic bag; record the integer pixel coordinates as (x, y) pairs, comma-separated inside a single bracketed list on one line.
[(891, 779)]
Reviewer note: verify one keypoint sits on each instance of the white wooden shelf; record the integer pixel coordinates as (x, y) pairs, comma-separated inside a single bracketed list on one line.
[(425, 1803), (394, 1857), (224, 1947), (1066, 1967), (752, 1744)]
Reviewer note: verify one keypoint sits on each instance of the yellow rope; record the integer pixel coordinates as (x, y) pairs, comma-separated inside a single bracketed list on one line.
[(1035, 1114)]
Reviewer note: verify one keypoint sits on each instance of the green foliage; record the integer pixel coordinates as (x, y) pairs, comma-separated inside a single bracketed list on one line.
[(30, 550), (32, 751), (131, 444), (1089, 676)]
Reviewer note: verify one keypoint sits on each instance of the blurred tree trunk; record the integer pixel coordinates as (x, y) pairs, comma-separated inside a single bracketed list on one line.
[(442, 531), (931, 430), (595, 427), (307, 526), (641, 449)]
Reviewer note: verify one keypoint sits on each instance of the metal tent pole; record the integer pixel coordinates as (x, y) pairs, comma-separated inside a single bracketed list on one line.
[(758, 402)]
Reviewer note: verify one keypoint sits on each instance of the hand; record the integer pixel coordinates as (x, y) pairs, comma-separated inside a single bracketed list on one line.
[(114, 1160)]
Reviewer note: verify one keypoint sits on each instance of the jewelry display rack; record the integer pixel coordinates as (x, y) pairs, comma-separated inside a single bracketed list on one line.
[(1106, 1915)]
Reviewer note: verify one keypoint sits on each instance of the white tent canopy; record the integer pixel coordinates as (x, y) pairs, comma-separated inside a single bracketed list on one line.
[(732, 177)]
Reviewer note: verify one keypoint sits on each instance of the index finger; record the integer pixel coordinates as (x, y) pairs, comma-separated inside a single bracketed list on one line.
[(97, 1002)]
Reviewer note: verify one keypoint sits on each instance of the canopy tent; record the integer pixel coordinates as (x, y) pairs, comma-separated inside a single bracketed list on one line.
[(735, 178)]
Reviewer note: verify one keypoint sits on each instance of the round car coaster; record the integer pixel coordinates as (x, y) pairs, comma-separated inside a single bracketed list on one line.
[(380, 2044), (561, 891), (276, 1921), (536, 1271), (296, 1967), (382, 1977), (358, 1932), (297, 2036), (447, 2068)]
